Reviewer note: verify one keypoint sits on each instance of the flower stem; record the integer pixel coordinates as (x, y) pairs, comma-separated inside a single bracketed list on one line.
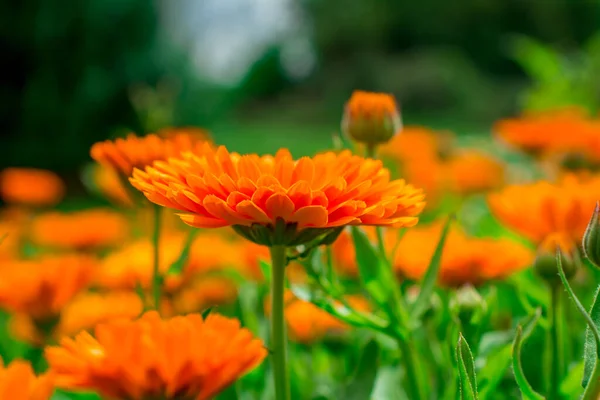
[(156, 278), (556, 342), (413, 372), (278, 334)]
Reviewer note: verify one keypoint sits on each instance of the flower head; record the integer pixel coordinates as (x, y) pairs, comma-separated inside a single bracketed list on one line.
[(81, 230), (184, 357), (19, 382), (472, 172), (540, 209), (550, 132), (371, 118), (465, 260), (32, 187), (279, 201), (123, 155), (41, 288)]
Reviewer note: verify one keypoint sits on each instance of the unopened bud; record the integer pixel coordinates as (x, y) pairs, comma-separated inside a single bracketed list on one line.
[(371, 118), (591, 238), (546, 265), (468, 302)]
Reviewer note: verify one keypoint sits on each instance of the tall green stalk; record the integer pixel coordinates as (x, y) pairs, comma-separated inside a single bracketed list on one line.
[(278, 335), (556, 342), (156, 277)]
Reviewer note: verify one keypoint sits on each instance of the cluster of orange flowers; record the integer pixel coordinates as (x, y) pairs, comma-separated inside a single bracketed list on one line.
[(90, 264)]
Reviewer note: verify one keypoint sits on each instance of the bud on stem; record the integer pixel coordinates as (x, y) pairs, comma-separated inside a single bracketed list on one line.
[(591, 238)]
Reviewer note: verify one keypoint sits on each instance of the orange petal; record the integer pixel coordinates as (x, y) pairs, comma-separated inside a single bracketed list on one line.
[(250, 210), (198, 221), (310, 216), (279, 206)]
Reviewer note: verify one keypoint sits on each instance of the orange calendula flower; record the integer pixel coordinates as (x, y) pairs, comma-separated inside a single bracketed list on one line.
[(80, 230), (371, 118), (540, 209), (19, 382), (465, 260), (557, 131), (31, 187), (279, 201), (472, 172), (202, 293), (123, 155), (41, 288), (184, 357), (108, 183)]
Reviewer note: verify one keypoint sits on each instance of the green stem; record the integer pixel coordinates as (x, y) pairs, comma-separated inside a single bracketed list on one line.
[(413, 371), (278, 334), (156, 277), (556, 342)]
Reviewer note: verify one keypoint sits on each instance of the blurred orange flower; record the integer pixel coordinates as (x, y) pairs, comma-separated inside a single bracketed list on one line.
[(80, 230), (184, 357), (555, 131), (41, 288), (84, 312), (19, 382), (472, 172), (133, 264), (202, 293), (110, 185), (123, 155), (327, 191), (371, 117), (539, 209), (465, 260), (307, 323), (31, 187)]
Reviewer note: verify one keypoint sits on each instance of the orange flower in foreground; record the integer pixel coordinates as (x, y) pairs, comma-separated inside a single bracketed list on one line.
[(471, 172), (32, 187), (539, 209), (557, 131), (123, 155), (41, 288), (371, 117), (184, 357), (465, 260), (311, 195), (81, 230), (18, 382)]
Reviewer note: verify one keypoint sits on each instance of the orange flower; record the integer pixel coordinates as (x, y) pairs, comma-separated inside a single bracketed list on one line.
[(202, 293), (18, 382), (110, 185), (418, 143), (539, 209), (308, 196), (471, 172), (41, 288), (82, 313), (32, 187), (123, 155), (307, 323), (556, 131), (465, 260), (371, 117), (81, 230), (183, 357), (133, 264)]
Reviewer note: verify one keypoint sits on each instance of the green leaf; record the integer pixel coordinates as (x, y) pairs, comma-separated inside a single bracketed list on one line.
[(430, 278), (494, 371), (207, 312), (591, 343), (362, 383), (177, 267), (523, 333), (570, 387), (370, 268), (466, 370)]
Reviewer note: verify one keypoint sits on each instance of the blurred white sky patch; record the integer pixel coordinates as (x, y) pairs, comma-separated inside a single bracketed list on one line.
[(227, 36)]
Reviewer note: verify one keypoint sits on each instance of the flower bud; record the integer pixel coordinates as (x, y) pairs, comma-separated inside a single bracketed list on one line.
[(371, 118), (468, 302), (591, 238), (545, 264)]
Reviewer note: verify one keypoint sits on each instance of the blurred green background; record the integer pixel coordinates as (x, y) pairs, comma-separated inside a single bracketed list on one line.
[(262, 74)]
